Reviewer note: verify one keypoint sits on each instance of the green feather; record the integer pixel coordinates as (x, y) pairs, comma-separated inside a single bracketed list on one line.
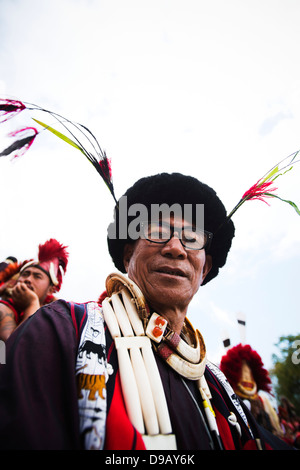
[(291, 203), (60, 135)]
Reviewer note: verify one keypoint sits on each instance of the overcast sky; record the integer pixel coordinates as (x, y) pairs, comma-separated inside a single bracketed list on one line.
[(210, 89)]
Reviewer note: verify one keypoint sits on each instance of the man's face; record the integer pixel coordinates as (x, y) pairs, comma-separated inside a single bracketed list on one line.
[(247, 383), (167, 274), (38, 281)]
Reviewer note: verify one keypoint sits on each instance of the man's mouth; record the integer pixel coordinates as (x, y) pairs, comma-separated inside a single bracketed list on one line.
[(171, 272), (29, 286), (247, 385)]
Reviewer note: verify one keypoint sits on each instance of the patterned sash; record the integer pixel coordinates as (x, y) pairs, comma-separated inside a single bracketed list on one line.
[(92, 373)]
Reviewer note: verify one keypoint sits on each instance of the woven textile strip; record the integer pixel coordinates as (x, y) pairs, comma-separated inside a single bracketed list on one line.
[(92, 374)]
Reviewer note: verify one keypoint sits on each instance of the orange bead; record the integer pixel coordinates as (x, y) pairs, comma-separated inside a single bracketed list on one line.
[(159, 321), (157, 331)]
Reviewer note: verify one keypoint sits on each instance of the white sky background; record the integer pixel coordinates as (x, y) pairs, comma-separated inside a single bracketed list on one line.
[(210, 89)]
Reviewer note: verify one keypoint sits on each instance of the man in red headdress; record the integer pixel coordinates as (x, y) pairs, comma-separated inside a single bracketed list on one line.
[(244, 370), (37, 281)]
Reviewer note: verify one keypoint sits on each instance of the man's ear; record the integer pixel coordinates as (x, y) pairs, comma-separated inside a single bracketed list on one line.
[(51, 289), (207, 266), (127, 253)]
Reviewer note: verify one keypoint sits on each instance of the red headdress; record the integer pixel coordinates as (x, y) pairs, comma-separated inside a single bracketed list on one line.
[(231, 365), (53, 260)]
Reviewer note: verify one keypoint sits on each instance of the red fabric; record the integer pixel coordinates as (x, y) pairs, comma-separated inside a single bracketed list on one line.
[(224, 431), (120, 434), (251, 445), (74, 320), (102, 297)]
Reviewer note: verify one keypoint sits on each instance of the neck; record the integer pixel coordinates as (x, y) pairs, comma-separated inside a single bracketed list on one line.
[(174, 316)]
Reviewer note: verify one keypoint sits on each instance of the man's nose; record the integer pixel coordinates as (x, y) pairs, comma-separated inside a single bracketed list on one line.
[(174, 248), (27, 279)]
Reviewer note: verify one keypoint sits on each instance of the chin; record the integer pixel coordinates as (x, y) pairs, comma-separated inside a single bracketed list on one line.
[(164, 298)]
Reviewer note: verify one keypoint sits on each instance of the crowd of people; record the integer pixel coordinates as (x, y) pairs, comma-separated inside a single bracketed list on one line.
[(289, 421), (128, 371)]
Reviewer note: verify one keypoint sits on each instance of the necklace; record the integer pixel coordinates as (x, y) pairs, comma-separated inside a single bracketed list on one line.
[(136, 334)]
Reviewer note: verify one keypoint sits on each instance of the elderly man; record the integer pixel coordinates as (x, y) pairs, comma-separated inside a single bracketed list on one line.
[(132, 373)]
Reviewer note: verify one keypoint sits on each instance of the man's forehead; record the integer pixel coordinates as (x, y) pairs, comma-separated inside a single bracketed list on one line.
[(183, 215), (33, 269), (180, 222), (175, 220)]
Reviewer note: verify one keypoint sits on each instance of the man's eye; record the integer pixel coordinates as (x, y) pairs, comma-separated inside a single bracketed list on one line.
[(189, 236), (193, 237), (24, 275), (157, 233)]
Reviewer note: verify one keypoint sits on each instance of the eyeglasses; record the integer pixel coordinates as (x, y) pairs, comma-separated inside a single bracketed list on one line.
[(161, 232)]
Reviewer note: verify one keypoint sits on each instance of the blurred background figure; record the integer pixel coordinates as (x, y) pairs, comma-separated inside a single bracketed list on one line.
[(246, 374), (9, 269), (27, 286), (289, 422), (9, 260)]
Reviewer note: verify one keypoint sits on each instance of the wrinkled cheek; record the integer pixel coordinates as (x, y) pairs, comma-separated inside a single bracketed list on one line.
[(137, 275), (199, 275), (133, 272), (150, 286)]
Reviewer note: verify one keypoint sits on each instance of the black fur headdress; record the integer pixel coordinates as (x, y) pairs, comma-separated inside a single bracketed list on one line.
[(176, 188)]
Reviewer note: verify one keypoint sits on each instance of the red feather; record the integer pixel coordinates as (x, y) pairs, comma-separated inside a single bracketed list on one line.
[(20, 146), (259, 191), (8, 108), (53, 251), (231, 365)]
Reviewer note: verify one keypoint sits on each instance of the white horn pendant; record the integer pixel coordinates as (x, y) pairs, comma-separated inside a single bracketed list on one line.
[(110, 319), (141, 384), (190, 353), (129, 387), (133, 315), (157, 390), (144, 387), (121, 315), (186, 369)]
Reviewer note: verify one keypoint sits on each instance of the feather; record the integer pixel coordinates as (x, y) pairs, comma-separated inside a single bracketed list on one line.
[(52, 249), (262, 189), (58, 134), (8, 109), (100, 162), (53, 252), (9, 271), (20, 146), (96, 156), (231, 364)]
